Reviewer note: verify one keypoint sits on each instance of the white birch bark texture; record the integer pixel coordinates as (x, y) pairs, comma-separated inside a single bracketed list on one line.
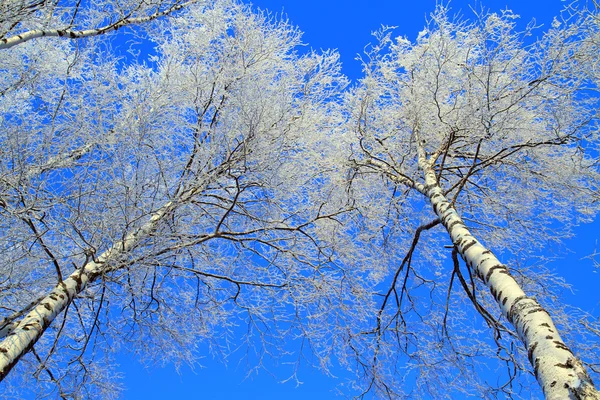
[(21, 337), (22, 21), (560, 373)]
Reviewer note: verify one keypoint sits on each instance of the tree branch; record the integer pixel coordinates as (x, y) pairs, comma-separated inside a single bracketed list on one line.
[(9, 42)]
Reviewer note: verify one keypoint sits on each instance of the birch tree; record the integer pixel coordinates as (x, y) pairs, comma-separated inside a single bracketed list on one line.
[(161, 205), (24, 20), (478, 131)]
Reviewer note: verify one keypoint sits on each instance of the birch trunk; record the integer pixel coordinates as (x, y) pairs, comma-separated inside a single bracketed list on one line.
[(19, 338), (22, 336), (15, 40), (559, 372)]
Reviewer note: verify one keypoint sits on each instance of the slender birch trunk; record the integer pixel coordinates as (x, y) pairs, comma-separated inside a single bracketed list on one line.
[(9, 42), (22, 336), (559, 372), (19, 338)]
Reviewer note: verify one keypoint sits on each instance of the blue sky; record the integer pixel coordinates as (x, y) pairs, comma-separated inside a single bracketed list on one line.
[(346, 26)]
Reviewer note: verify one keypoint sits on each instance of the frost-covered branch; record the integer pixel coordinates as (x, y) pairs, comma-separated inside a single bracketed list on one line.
[(68, 32)]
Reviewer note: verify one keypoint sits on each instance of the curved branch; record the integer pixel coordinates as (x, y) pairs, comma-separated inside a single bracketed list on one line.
[(12, 41)]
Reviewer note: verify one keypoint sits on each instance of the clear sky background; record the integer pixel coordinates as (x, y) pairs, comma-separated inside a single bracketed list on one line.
[(347, 26)]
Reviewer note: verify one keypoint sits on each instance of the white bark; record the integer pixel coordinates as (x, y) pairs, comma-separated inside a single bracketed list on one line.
[(22, 336), (9, 42), (559, 372)]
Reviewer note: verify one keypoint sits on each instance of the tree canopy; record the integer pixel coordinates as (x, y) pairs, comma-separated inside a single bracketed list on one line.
[(234, 178)]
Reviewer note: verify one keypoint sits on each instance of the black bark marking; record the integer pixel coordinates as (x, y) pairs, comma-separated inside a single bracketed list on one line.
[(492, 269), (513, 307), (458, 242), (530, 352), (479, 274), (567, 365), (536, 367), (535, 310), (487, 252), (553, 384), (3, 350), (504, 301), (562, 346), (469, 245), (549, 337), (453, 224), (547, 326), (484, 260), (447, 207), (77, 279), (47, 306), (445, 218)]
